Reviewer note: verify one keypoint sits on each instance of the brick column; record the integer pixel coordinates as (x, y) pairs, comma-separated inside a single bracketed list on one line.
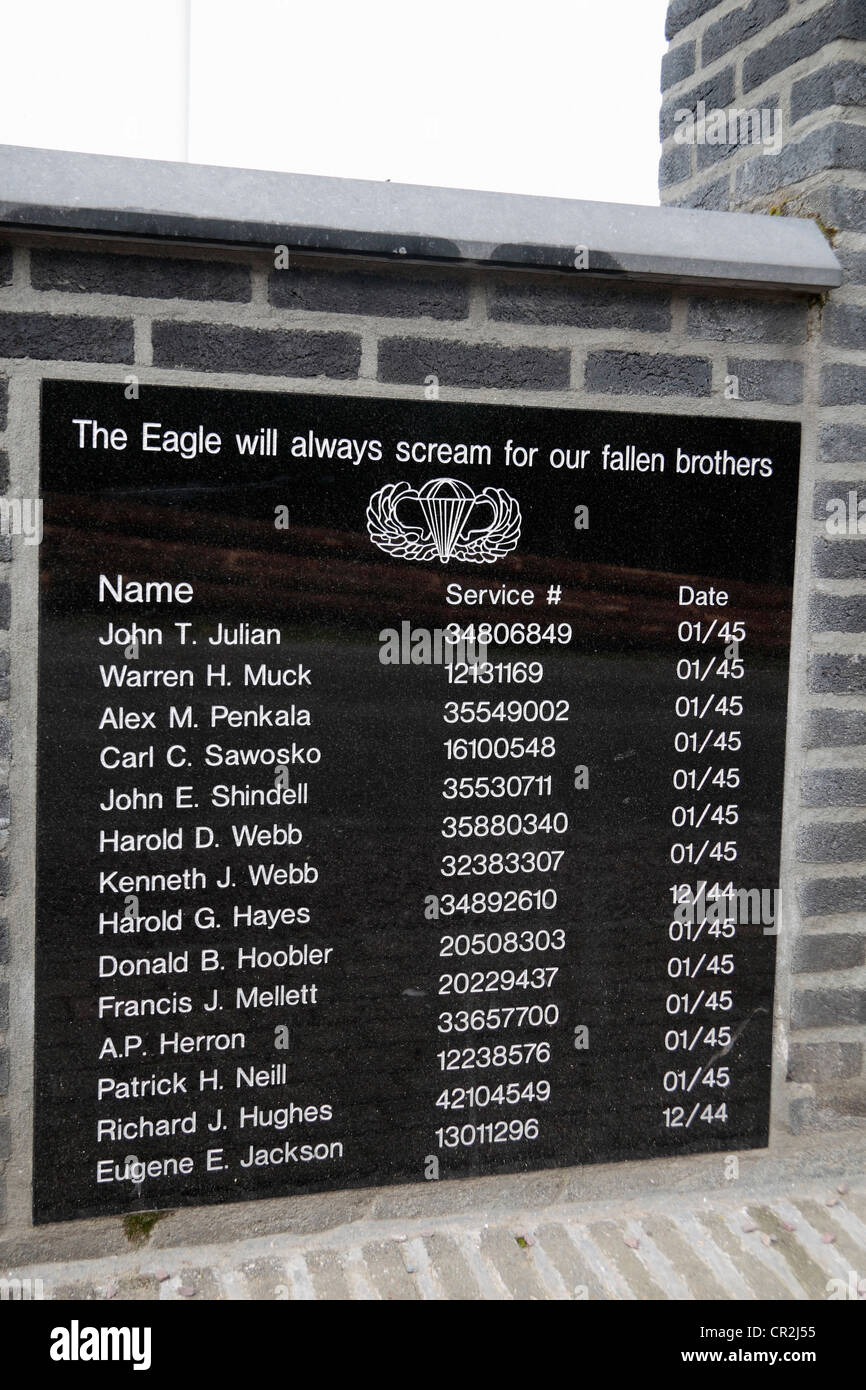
[(5, 751), (790, 78)]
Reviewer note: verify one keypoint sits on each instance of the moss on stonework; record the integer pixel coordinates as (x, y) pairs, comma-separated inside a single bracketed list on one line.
[(138, 1226), (788, 209)]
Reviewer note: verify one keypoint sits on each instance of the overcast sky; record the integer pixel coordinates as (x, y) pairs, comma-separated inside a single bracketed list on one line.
[(553, 97)]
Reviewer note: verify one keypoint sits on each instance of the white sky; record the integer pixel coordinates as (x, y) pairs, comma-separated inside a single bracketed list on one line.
[(554, 97)]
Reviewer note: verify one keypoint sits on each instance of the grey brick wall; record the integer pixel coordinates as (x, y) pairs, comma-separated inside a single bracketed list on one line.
[(665, 373), (806, 61), (409, 360), (211, 317), (213, 347), (399, 295), (150, 277), (6, 267), (66, 338)]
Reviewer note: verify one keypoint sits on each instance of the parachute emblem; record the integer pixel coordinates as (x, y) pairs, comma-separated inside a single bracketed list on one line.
[(444, 519)]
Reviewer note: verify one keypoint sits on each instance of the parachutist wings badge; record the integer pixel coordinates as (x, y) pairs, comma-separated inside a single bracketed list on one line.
[(444, 519)]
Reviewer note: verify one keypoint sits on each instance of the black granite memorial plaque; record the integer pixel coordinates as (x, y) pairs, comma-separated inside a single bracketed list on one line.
[(403, 771)]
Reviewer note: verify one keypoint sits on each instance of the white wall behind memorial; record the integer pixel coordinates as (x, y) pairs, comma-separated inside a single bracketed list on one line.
[(488, 95)]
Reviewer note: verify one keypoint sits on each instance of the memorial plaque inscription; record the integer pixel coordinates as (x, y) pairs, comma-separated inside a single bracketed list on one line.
[(409, 790)]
